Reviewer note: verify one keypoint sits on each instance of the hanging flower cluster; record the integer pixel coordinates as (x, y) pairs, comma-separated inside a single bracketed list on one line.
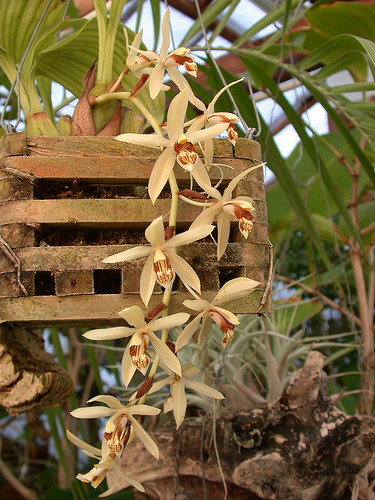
[(162, 264)]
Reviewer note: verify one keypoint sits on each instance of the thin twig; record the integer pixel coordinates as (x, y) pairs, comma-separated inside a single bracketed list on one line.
[(16, 262), (323, 297)]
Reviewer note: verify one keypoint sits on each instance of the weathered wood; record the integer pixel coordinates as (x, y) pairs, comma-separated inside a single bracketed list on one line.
[(29, 377), (124, 212), (300, 447), (74, 282), (95, 310), (49, 200)]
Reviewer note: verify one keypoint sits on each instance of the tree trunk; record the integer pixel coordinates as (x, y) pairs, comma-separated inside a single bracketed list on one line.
[(301, 447)]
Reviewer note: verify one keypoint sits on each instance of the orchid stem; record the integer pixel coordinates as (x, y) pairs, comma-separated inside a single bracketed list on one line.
[(172, 222)]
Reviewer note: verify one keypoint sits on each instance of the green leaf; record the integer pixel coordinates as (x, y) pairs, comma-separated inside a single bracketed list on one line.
[(294, 312), (355, 18), (208, 16)]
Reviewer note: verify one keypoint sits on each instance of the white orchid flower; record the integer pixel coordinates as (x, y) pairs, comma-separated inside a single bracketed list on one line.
[(210, 311), (162, 262), (135, 355), (96, 475), (178, 146), (168, 62), (225, 207), (138, 64), (120, 424), (210, 117), (176, 401)]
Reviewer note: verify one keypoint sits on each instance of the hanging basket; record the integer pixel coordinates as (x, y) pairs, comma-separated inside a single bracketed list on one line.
[(69, 202)]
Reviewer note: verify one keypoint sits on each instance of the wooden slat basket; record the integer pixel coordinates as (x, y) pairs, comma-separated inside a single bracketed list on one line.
[(67, 203)]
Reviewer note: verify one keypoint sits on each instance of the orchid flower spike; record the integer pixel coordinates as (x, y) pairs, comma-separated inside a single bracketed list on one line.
[(162, 262), (96, 475), (223, 208), (135, 356), (210, 311), (178, 146), (121, 423), (176, 401)]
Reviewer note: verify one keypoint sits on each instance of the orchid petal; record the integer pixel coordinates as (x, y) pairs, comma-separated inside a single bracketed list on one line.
[(206, 216), (160, 173), (209, 151), (178, 78), (142, 410), (204, 389), (186, 273), (92, 412), (151, 140), (148, 278), (207, 133), (179, 402), (227, 195), (205, 329), (228, 315), (160, 384), (117, 332), (155, 232), (134, 316), (165, 34), (176, 114), (202, 178), (223, 232), (128, 368), (169, 321), (131, 254), (189, 370), (110, 401), (168, 404), (170, 359), (197, 305), (188, 332), (81, 444), (200, 174), (189, 236), (131, 481), (213, 102), (235, 289), (156, 79), (148, 442)]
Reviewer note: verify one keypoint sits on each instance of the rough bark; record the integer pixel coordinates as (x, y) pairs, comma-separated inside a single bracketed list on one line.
[(29, 377), (301, 447)]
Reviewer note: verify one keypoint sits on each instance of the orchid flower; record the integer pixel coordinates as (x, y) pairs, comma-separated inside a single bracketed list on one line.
[(135, 355), (162, 262), (225, 207), (96, 475), (209, 118), (120, 424), (210, 311), (138, 64), (176, 401), (168, 62), (178, 146)]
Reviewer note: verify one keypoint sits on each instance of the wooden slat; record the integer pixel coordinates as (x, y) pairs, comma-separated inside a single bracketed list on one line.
[(114, 170), (122, 212), (97, 310), (82, 258)]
